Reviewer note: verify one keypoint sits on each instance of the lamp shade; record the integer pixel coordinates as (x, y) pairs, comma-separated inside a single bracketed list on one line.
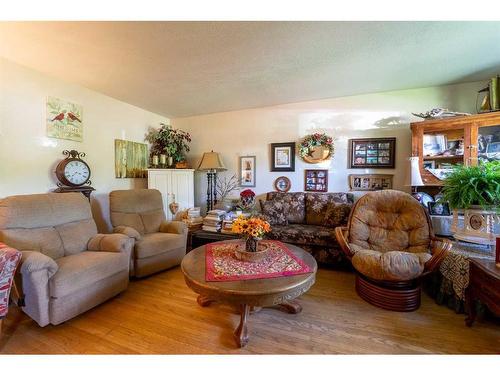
[(211, 161), (415, 176)]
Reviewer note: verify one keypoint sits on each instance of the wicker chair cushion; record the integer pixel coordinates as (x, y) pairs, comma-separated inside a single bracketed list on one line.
[(390, 220), (389, 266)]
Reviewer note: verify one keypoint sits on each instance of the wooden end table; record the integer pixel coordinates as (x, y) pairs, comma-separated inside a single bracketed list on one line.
[(201, 237), (248, 294), (484, 285)]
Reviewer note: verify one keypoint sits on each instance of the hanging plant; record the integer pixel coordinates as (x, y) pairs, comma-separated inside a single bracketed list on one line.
[(316, 147)]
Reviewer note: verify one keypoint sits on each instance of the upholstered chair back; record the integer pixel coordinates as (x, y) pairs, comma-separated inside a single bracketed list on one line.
[(53, 224), (389, 220), (141, 209)]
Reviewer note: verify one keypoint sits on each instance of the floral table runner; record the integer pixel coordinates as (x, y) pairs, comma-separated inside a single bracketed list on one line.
[(222, 264)]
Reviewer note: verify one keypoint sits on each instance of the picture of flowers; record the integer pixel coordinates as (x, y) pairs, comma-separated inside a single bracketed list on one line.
[(64, 120), (131, 159)]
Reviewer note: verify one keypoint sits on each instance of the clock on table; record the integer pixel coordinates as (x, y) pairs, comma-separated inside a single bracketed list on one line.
[(73, 174)]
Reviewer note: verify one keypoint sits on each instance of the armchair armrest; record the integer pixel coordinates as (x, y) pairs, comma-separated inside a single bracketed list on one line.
[(342, 233), (439, 249), (127, 231), (32, 261), (176, 227), (115, 242)]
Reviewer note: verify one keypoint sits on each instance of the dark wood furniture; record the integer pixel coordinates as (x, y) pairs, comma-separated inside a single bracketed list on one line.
[(201, 237), (484, 286), (248, 294), (465, 128)]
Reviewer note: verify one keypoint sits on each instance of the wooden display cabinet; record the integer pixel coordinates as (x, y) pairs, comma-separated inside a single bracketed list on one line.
[(480, 135)]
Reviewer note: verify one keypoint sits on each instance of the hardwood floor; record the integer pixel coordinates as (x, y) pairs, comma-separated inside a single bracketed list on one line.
[(159, 315)]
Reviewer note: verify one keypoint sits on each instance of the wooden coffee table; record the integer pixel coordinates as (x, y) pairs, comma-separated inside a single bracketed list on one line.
[(248, 294)]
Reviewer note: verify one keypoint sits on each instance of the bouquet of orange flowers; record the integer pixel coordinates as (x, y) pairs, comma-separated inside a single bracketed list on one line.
[(252, 227)]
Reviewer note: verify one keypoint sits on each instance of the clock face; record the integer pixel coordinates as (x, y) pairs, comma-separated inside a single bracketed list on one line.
[(77, 172)]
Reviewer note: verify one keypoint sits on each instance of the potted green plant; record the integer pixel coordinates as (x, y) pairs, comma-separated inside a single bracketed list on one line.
[(169, 141), (474, 193)]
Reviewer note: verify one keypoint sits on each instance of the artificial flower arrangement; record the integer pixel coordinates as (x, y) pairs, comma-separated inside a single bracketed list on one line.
[(173, 142), (252, 230), (247, 199), (309, 142), (253, 227)]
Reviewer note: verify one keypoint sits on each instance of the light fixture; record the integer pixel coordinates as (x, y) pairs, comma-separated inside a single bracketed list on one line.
[(415, 178), (211, 162)]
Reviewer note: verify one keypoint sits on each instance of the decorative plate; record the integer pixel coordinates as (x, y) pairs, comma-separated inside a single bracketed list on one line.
[(282, 184)]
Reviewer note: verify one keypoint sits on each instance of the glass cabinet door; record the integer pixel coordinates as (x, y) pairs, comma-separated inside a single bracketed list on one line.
[(488, 143)]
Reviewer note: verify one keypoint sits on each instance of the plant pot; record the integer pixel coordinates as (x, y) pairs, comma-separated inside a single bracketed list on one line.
[(170, 161), (254, 251)]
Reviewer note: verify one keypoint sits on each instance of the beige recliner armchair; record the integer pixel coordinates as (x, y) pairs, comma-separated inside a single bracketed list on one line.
[(66, 267), (159, 244)]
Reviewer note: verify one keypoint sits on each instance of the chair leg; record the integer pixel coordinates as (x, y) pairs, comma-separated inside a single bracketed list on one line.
[(16, 296)]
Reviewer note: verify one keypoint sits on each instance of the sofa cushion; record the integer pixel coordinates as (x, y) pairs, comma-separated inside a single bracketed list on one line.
[(317, 204), (141, 209), (43, 210), (392, 265), (75, 236), (294, 205), (336, 214), (81, 270), (389, 220), (44, 240), (158, 243), (303, 234), (274, 211)]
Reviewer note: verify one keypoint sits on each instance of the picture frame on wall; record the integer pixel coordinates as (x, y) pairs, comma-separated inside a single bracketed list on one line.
[(370, 182), (372, 153), (283, 157), (316, 180), (247, 171)]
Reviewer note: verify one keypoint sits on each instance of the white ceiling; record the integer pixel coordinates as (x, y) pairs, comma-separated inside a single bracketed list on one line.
[(180, 69)]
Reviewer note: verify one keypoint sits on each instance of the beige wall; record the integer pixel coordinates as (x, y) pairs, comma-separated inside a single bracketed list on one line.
[(28, 158), (250, 132)]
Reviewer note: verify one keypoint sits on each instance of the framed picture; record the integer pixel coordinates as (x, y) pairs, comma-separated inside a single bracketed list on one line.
[(439, 208), (372, 153), (283, 157), (282, 184), (247, 171), (131, 159), (429, 164), (316, 180), (370, 182)]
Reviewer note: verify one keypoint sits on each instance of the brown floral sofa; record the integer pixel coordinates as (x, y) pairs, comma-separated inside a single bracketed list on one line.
[(309, 221)]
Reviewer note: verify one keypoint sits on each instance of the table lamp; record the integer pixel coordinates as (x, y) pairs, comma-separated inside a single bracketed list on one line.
[(211, 162), (415, 176)]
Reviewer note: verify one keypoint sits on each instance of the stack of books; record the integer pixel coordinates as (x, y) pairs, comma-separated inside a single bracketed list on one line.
[(213, 221), (193, 218)]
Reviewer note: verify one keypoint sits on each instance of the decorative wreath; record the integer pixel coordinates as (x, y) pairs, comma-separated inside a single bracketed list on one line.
[(317, 139)]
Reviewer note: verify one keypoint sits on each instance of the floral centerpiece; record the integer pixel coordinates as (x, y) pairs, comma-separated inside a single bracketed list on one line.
[(166, 140), (247, 199), (317, 146), (252, 230)]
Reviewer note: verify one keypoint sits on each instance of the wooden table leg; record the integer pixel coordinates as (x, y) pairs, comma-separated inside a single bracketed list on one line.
[(241, 333), (204, 301), (291, 307), (470, 307)]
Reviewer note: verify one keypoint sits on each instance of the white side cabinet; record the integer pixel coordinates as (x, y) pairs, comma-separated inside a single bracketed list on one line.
[(174, 184)]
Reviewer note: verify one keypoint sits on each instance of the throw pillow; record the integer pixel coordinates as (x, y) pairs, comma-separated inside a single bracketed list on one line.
[(336, 214), (274, 211)]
